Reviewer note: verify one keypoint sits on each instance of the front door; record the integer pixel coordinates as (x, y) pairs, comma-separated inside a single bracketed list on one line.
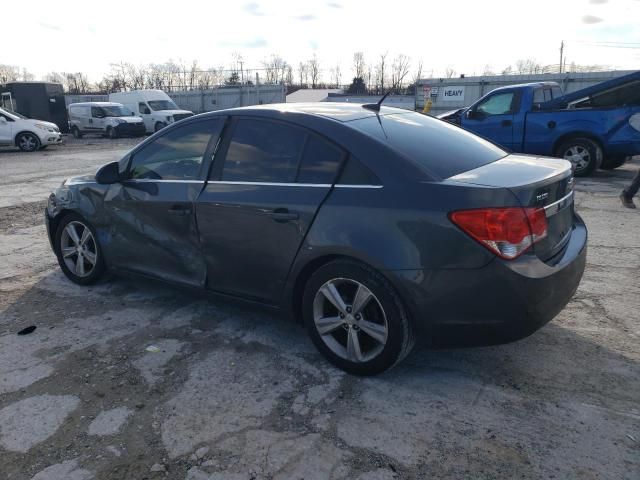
[(152, 221), (268, 181), (147, 116), (6, 137), (96, 120), (493, 118)]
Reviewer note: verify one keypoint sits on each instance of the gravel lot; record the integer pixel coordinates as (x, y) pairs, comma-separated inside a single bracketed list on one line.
[(129, 380)]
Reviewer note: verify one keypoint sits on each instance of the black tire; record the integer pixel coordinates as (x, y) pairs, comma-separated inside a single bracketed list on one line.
[(611, 163), (399, 332), (44, 147), (159, 126), (76, 132), (591, 150), (112, 133), (98, 268), (28, 142)]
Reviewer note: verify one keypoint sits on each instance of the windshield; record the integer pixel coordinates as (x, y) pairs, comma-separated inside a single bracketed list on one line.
[(11, 113), (434, 145), (116, 111), (162, 105)]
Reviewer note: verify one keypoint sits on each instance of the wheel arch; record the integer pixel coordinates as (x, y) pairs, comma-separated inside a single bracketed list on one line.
[(15, 138), (578, 134)]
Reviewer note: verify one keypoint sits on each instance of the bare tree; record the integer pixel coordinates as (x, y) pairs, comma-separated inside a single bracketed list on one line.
[(314, 70), (359, 65), (450, 72), (288, 79), (418, 73), (381, 71), (9, 73), (336, 75), (399, 70), (488, 70), (275, 69), (528, 65), (302, 72)]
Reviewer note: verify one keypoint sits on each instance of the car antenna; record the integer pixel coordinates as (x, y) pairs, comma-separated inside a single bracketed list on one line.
[(376, 106)]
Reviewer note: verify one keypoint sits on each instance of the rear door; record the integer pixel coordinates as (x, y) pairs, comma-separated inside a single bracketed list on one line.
[(151, 213), (493, 118), (268, 181), (96, 119)]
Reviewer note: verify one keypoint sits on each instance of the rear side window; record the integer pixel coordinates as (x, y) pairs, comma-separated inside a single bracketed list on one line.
[(320, 161), (263, 151), (355, 173), (437, 147), (178, 154)]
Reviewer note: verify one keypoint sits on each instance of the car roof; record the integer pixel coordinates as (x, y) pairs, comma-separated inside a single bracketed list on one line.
[(528, 85), (342, 112)]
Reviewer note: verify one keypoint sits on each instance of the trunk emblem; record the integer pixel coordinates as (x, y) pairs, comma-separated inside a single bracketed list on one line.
[(542, 196)]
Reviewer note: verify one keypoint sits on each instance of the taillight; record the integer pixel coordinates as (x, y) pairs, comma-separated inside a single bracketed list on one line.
[(507, 232)]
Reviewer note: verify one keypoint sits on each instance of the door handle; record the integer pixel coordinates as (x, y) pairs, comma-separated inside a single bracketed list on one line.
[(283, 215), (507, 123), (178, 210)]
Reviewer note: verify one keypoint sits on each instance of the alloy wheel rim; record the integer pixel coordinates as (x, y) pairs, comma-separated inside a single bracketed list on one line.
[(578, 156), (78, 249), (350, 320), (27, 142)]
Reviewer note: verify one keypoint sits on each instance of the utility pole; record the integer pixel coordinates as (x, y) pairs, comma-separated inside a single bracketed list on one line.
[(561, 54)]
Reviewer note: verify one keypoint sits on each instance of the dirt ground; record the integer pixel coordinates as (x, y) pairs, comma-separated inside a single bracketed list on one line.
[(132, 380)]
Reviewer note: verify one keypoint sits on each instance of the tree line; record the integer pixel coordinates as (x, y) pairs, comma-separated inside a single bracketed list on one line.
[(372, 75)]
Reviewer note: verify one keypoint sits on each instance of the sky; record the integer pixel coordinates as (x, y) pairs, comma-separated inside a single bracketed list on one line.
[(464, 35)]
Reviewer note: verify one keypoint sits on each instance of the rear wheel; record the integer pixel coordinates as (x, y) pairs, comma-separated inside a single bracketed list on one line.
[(613, 162), (28, 142), (583, 153), (355, 318), (79, 254)]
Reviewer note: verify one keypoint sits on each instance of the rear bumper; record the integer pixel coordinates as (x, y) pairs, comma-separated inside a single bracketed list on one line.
[(498, 303)]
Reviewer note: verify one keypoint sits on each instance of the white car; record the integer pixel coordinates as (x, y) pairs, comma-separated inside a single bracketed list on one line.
[(154, 106), (104, 118), (27, 134)]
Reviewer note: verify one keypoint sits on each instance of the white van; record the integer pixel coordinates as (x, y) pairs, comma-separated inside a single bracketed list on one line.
[(154, 106), (27, 134), (105, 118)]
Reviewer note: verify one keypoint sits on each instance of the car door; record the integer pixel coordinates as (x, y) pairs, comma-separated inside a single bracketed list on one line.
[(147, 117), (493, 118), (151, 213), (6, 136), (268, 181), (96, 119)]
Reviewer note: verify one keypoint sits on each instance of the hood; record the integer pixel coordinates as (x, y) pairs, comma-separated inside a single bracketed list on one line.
[(79, 179), (33, 121)]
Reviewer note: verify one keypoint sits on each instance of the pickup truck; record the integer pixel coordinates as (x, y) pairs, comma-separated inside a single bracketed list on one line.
[(598, 126)]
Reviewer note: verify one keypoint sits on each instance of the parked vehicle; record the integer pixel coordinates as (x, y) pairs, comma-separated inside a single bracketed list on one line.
[(27, 134), (38, 100), (154, 106), (592, 128), (105, 118), (371, 226)]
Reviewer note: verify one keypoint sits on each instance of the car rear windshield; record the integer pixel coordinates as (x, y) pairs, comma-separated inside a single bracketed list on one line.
[(439, 148)]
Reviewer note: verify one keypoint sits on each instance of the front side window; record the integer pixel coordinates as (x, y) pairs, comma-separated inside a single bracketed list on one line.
[(498, 104), (97, 112), (263, 151), (178, 154), (142, 107), (162, 105)]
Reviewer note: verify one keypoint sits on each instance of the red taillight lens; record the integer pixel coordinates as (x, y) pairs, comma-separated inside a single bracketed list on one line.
[(507, 232)]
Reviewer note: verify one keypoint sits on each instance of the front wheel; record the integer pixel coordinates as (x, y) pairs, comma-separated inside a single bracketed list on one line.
[(355, 318), (76, 132), (160, 126), (112, 133), (28, 142), (583, 153), (79, 254)]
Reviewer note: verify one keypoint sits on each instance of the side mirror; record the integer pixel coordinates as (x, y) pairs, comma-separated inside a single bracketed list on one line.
[(3, 120), (108, 174), (470, 114), (146, 111)]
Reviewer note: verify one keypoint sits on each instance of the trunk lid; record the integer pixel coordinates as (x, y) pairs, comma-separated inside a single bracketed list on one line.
[(536, 182)]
